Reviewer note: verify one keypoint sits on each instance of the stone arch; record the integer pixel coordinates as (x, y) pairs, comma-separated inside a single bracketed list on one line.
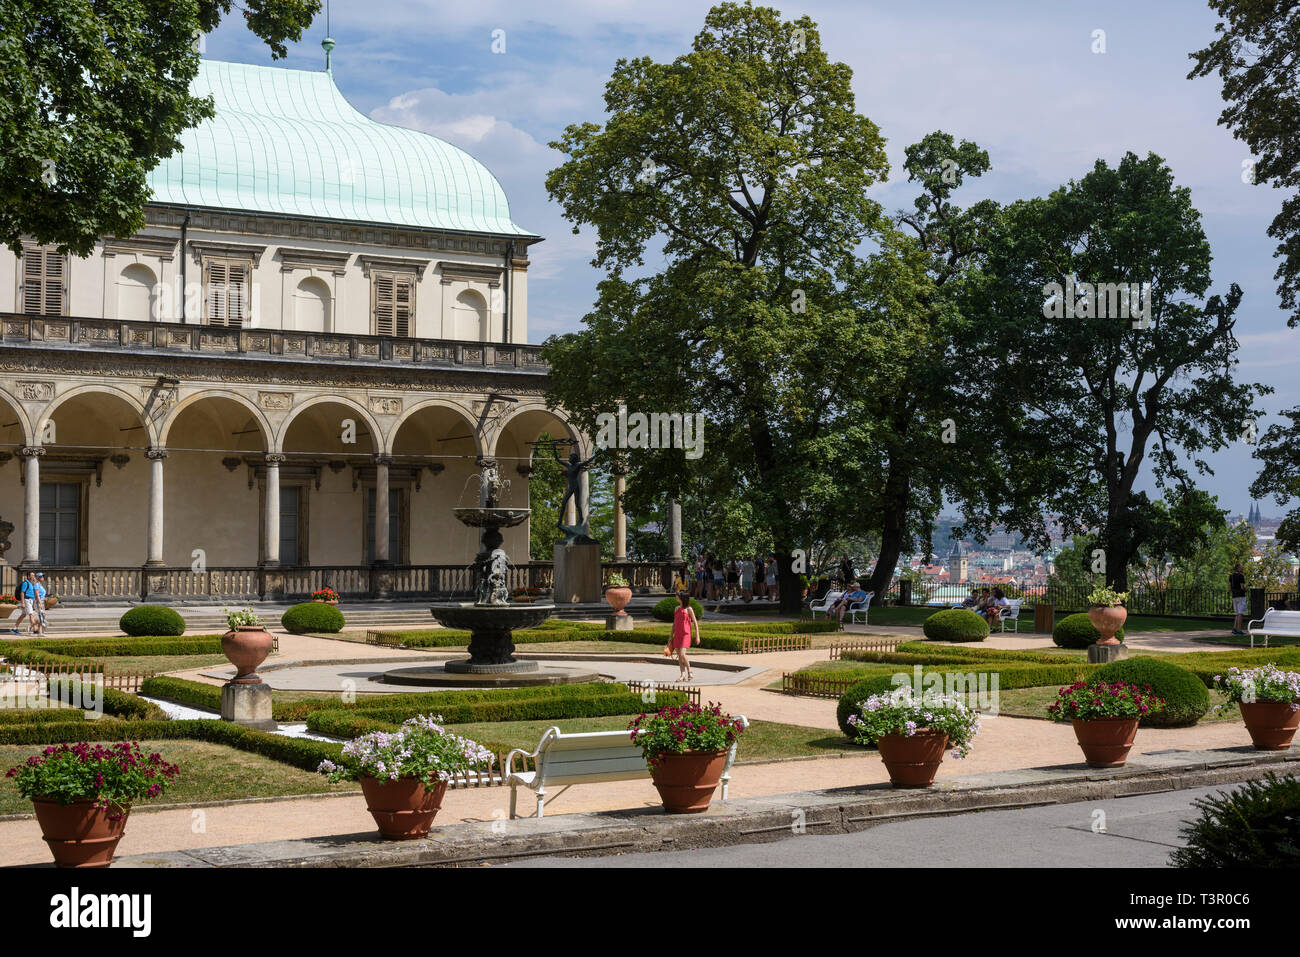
[(137, 293), (408, 415), (23, 425), (363, 417), (258, 417), (535, 417), (470, 313), (150, 429), (312, 305)]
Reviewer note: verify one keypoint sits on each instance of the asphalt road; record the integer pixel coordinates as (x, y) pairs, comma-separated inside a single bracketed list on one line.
[(1138, 832)]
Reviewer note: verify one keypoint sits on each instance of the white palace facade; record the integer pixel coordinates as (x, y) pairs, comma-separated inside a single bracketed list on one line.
[(351, 345)]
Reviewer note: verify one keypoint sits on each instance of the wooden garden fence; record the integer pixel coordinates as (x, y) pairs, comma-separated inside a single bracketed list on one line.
[(753, 645), (870, 644), (128, 681), (815, 687)]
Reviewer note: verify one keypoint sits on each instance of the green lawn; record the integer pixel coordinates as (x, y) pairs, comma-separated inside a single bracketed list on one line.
[(764, 741), (165, 663), (209, 772)]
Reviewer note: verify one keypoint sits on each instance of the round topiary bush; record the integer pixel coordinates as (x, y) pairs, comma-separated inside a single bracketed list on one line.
[(156, 621), (858, 693), (955, 624), (311, 617), (664, 608), (1186, 697), (1076, 631)]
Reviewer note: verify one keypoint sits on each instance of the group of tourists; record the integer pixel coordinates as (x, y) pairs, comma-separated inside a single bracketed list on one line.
[(989, 604), (743, 579), (31, 596)]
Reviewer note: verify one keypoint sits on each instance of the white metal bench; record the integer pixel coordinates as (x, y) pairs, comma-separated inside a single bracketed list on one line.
[(1285, 624), (1012, 613), (861, 607), (830, 598), (586, 758)]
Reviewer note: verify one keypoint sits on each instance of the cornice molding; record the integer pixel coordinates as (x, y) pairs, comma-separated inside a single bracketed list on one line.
[(291, 259), (206, 249), (162, 247), (393, 264), (470, 272)]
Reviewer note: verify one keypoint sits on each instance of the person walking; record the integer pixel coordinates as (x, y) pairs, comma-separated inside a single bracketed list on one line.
[(40, 603), (773, 592), (733, 580), (746, 579), (27, 598), (1237, 586), (760, 577), (684, 621)]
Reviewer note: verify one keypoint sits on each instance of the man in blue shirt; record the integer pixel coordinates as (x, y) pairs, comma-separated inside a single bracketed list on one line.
[(855, 595), (27, 598)]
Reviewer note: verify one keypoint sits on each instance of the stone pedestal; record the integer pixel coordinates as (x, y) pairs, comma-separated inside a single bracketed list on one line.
[(577, 573), (1100, 654), (249, 705), (619, 623)]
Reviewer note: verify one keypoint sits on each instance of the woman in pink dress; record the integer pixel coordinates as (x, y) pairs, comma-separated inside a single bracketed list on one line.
[(683, 621)]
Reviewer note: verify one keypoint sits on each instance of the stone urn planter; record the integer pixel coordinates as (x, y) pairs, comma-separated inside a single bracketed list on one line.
[(1105, 741), (6, 610), (1108, 619), (79, 834), (1272, 724), (246, 647), (618, 596), (686, 781), (912, 762), (404, 809)]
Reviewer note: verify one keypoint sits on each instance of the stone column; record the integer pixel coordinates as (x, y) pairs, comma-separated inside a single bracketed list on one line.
[(31, 456), (381, 509), (620, 519), (674, 530), (585, 485), (155, 456), (272, 508)]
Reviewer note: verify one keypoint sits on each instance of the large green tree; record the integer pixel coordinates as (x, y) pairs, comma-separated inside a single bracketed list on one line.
[(1256, 53), (1100, 398), (742, 168), (93, 95), (1279, 451)]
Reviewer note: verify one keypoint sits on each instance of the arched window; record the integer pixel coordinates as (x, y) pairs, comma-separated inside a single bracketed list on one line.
[(311, 306), (471, 315), (137, 294)]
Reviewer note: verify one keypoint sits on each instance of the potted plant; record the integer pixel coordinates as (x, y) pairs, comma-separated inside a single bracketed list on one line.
[(913, 732), (618, 593), (404, 774), (82, 795), (686, 750), (525, 593), (1107, 613), (326, 595), (7, 605), (1105, 716), (246, 644), (1269, 699)]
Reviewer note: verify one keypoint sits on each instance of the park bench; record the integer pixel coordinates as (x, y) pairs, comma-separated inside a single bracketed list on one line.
[(861, 606), (1275, 623), (825, 605), (590, 757)]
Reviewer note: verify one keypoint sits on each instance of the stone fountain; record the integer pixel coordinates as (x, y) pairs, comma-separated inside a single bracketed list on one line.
[(491, 618)]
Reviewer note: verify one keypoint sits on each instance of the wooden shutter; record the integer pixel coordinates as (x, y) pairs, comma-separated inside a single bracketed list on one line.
[(394, 304), (44, 276), (228, 292)]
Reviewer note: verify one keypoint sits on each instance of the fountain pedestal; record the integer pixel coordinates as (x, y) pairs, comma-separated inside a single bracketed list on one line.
[(577, 573)]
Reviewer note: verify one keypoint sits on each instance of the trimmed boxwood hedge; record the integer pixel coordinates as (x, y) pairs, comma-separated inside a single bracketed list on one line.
[(42, 716), (119, 704), (663, 609), (1010, 675), (1076, 631), (534, 709), (68, 650), (955, 624), (1186, 697), (157, 620), (313, 617)]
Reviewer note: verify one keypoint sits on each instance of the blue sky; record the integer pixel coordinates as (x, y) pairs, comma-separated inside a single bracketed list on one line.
[(1019, 78)]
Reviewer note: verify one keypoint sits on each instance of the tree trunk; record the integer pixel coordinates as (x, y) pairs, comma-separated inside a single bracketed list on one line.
[(893, 532), (788, 581)]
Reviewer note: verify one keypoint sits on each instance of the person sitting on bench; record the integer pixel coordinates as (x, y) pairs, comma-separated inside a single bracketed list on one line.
[(854, 595)]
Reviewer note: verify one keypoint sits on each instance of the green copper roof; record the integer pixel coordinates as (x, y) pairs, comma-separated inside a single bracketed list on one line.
[(286, 141)]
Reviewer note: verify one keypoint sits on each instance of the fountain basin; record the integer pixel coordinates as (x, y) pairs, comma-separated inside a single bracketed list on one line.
[(471, 617), (490, 517)]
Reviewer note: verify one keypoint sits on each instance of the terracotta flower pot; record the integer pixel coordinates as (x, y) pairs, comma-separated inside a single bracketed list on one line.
[(79, 834), (1272, 724), (246, 647), (7, 610), (618, 597), (325, 601), (1106, 741), (686, 782), (912, 762), (1108, 619), (404, 809)]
